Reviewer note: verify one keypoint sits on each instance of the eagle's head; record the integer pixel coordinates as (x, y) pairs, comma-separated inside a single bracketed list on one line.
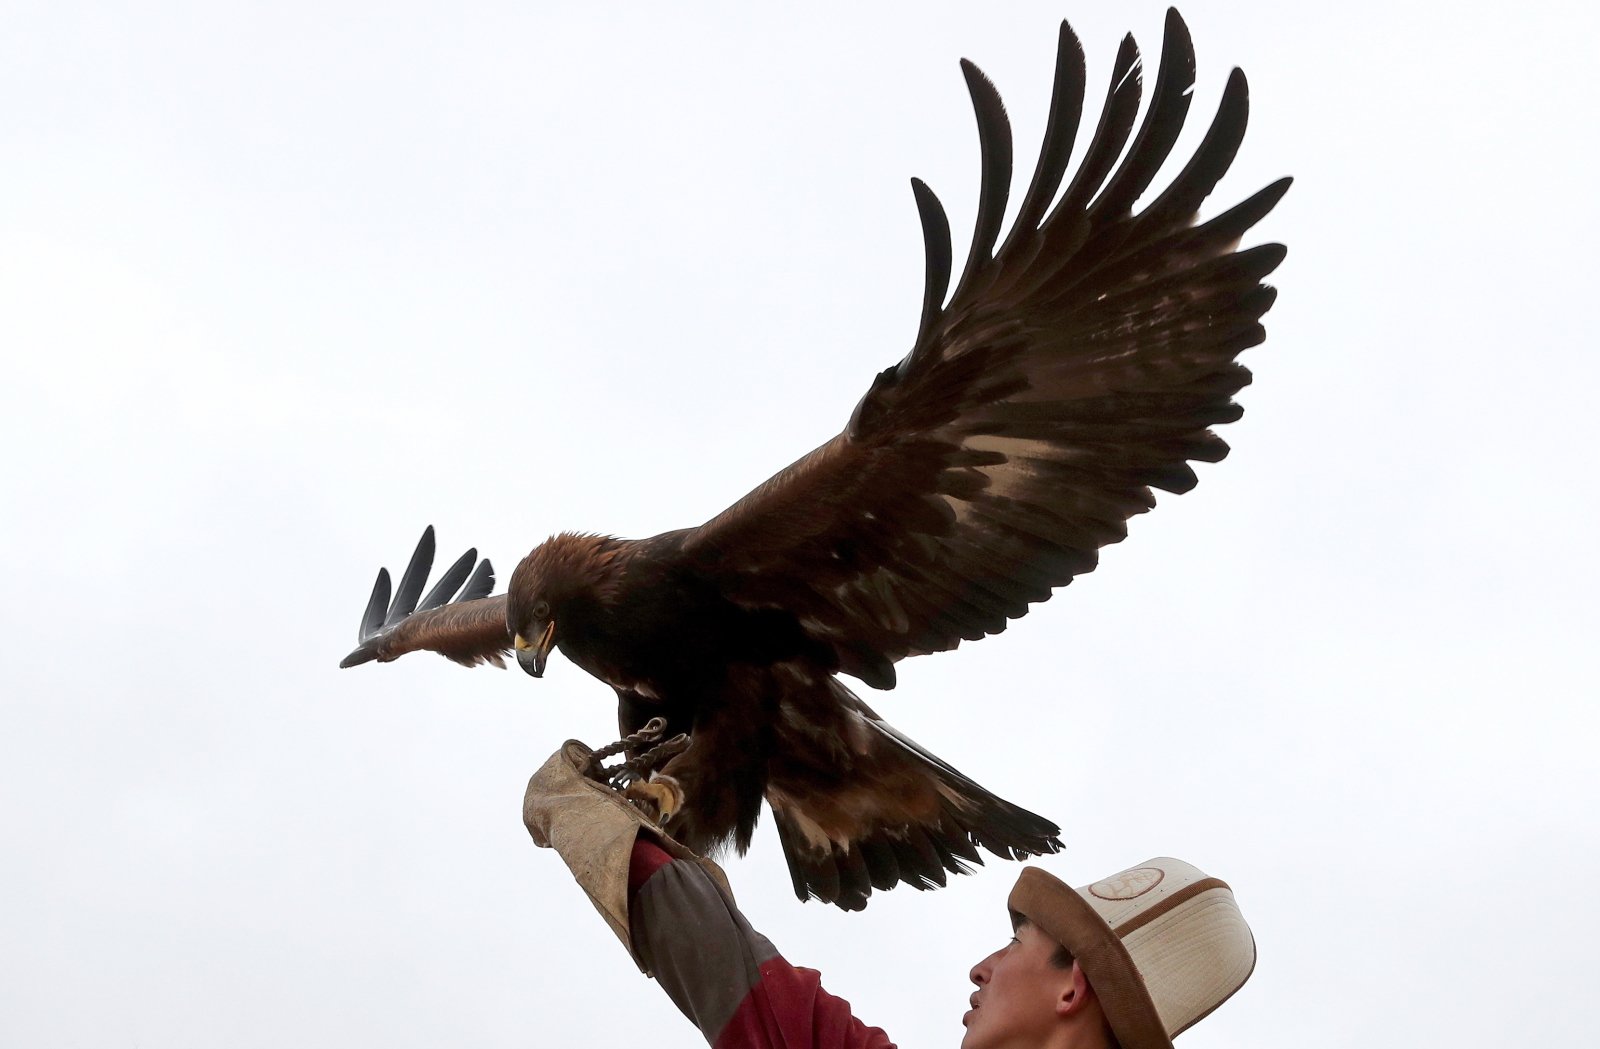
[(561, 571)]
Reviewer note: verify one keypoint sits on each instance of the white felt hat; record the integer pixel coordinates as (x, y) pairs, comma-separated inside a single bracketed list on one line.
[(1161, 943)]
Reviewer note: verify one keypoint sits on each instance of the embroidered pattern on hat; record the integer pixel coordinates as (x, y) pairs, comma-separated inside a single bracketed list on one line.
[(1129, 884)]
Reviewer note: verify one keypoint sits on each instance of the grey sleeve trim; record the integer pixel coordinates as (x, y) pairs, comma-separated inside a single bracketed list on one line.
[(700, 948)]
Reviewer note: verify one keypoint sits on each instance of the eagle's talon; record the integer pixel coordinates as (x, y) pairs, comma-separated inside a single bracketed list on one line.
[(660, 798)]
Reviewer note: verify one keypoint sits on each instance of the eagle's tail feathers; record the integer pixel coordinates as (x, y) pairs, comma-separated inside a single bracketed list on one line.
[(893, 814)]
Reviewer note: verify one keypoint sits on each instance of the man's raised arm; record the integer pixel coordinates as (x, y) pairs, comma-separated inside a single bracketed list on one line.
[(676, 916)]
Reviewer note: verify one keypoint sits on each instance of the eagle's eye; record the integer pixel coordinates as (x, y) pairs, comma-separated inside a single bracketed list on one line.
[(540, 610)]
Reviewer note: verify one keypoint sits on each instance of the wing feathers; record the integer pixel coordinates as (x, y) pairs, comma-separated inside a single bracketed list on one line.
[(1071, 372), (470, 629), (1116, 121), (1061, 130), (377, 606), (936, 246), (1232, 224), (481, 584), (468, 633), (411, 584), (1169, 104), (1211, 160), (450, 582), (994, 138)]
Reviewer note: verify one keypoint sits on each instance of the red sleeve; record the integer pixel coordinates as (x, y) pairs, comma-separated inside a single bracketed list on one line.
[(726, 977), (647, 858)]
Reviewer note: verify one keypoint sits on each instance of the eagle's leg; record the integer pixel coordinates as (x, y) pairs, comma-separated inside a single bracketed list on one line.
[(720, 774), (659, 797)]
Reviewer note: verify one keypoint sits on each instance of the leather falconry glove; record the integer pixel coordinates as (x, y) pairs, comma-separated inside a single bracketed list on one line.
[(593, 828)]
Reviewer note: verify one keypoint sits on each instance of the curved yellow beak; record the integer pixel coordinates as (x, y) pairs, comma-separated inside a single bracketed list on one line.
[(532, 657)]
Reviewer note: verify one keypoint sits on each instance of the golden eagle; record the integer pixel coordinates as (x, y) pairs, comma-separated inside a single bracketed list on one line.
[(1072, 370)]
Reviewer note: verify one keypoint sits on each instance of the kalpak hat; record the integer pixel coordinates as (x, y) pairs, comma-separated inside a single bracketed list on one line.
[(1161, 943)]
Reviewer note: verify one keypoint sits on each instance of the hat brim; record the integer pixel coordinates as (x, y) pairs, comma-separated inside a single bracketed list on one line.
[(1057, 910)]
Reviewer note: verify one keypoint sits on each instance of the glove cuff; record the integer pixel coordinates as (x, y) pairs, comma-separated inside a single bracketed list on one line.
[(593, 828)]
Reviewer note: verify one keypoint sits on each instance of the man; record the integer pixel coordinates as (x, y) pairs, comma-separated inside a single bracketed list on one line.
[(1130, 961)]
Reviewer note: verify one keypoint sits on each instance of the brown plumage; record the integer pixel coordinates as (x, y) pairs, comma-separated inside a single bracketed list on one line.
[(1072, 371)]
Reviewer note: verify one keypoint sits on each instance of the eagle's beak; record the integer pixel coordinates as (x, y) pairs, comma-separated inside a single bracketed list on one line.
[(531, 657)]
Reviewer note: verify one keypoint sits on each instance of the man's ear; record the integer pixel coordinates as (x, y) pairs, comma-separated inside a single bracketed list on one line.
[(1076, 994)]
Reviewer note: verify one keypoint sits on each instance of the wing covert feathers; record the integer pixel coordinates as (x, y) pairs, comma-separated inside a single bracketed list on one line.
[(1070, 373)]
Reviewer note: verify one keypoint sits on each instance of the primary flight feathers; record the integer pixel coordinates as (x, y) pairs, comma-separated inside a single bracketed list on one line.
[(1072, 370)]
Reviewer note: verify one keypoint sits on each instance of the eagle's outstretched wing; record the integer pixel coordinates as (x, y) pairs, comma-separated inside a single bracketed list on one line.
[(1071, 371), (469, 627)]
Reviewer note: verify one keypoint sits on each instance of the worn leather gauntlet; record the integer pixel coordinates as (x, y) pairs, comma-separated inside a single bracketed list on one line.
[(593, 828)]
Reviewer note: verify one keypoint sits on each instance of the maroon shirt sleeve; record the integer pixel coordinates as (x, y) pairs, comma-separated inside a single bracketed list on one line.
[(726, 977)]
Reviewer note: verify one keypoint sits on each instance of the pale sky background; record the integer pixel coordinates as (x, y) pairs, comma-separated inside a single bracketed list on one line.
[(281, 284)]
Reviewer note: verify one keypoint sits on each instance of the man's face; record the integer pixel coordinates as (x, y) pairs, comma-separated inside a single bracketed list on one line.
[(1018, 989)]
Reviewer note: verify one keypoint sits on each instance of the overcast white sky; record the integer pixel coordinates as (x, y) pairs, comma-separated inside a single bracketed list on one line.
[(281, 284)]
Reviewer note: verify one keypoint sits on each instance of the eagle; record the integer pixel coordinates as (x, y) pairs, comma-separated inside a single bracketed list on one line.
[(1076, 366)]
